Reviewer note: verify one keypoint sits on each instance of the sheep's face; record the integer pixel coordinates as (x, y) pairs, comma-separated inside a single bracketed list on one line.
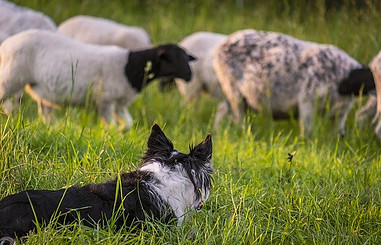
[(173, 62)]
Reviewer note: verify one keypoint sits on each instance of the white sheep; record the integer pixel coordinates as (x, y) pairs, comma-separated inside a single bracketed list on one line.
[(14, 19), (3, 36), (204, 78), (102, 31), (277, 74), (57, 69), (201, 44)]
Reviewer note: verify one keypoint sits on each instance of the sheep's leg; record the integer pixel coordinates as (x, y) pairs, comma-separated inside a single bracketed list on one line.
[(365, 113), (45, 107), (229, 84), (222, 111), (306, 118), (189, 90), (105, 112), (44, 111), (377, 119), (11, 104), (122, 115), (234, 98), (343, 115)]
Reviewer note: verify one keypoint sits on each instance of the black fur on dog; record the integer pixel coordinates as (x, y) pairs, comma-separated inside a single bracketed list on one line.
[(162, 188)]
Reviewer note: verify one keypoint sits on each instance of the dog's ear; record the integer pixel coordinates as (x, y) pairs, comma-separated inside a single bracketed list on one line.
[(203, 151), (157, 140)]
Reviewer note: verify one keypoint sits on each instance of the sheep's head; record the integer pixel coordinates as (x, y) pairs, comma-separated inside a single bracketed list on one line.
[(172, 62), (360, 79)]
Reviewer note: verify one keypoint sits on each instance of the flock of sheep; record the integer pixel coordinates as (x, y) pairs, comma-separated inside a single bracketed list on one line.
[(265, 71)]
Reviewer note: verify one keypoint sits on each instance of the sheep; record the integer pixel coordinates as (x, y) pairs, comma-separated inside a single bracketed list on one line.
[(365, 114), (279, 74), (374, 102), (376, 69), (56, 69), (204, 79), (3, 36), (201, 44), (14, 19), (102, 31)]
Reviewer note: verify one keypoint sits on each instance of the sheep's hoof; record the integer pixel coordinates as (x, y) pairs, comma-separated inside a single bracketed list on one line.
[(341, 134)]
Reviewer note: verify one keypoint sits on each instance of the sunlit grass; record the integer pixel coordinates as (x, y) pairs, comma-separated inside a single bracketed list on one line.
[(328, 193)]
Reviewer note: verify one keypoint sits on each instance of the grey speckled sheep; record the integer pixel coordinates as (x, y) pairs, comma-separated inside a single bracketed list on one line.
[(56, 69), (277, 74), (14, 19), (102, 31)]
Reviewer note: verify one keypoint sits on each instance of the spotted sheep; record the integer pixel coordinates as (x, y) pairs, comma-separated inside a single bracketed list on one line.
[(102, 31), (278, 74), (56, 69)]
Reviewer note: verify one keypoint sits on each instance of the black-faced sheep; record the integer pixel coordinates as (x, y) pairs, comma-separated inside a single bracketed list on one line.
[(56, 69), (373, 105), (277, 74), (102, 31)]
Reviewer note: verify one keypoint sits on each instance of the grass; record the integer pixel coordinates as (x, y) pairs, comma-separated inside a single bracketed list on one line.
[(328, 194)]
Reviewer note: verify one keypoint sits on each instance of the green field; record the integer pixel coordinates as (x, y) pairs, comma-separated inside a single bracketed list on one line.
[(329, 193)]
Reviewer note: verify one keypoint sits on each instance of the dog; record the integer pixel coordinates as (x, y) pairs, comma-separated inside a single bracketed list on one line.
[(162, 189)]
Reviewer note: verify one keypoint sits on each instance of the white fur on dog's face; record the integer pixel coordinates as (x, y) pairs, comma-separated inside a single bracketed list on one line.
[(174, 186), (179, 180)]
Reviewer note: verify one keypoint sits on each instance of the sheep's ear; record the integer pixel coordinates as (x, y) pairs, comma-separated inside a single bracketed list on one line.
[(191, 58), (157, 140), (203, 151)]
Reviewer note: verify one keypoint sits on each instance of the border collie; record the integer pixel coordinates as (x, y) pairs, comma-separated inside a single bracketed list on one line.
[(166, 184)]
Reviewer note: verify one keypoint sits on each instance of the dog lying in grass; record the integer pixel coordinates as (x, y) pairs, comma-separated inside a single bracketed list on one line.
[(167, 183)]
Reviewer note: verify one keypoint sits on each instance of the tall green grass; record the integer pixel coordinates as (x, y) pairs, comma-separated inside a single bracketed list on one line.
[(328, 194)]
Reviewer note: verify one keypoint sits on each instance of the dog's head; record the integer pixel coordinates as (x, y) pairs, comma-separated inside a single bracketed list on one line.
[(185, 175)]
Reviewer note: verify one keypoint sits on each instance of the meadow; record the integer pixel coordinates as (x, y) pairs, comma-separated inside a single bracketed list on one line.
[(329, 193)]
